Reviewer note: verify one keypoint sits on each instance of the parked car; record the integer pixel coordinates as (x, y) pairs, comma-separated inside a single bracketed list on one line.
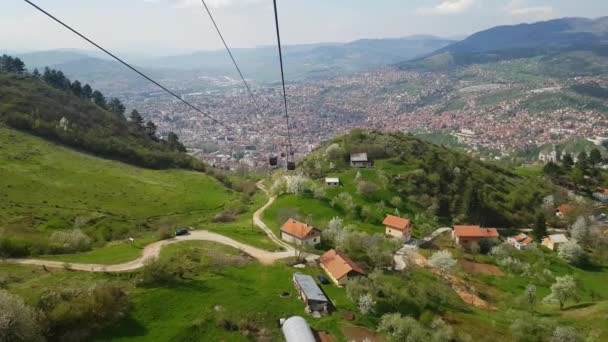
[(181, 232), (323, 279)]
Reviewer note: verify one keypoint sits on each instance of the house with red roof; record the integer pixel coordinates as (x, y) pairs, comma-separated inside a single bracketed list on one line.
[(464, 235), (300, 233), (398, 227), (520, 241), (339, 267)]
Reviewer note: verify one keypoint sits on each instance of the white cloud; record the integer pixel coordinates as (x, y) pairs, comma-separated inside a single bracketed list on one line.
[(447, 7), (210, 3), (521, 10)]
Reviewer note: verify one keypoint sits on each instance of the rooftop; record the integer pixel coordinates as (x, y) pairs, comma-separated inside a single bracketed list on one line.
[(475, 231), (311, 290), (559, 238), (298, 229), (338, 264), (396, 222), (358, 157)]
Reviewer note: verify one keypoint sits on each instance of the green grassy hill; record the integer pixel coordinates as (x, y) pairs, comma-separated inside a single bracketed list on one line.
[(47, 188), (430, 184), (29, 104)]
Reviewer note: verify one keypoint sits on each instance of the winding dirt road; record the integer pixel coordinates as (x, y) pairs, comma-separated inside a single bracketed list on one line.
[(152, 250)]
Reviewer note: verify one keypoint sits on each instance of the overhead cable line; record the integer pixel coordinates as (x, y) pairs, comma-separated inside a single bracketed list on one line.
[(276, 19), (255, 102), (132, 68)]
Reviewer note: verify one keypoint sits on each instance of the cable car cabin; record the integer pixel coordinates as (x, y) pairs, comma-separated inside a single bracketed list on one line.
[(282, 154), (291, 153), (291, 166), (273, 160)]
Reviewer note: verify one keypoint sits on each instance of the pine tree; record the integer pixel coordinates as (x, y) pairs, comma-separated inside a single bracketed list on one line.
[(36, 73), (99, 99), (151, 129), (540, 227), (174, 142), (77, 88), (116, 106), (595, 157), (87, 91), (136, 119)]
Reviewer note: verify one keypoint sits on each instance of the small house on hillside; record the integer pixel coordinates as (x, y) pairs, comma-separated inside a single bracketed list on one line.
[(339, 267), (554, 241), (359, 160), (332, 181), (564, 210), (310, 293), (398, 227), (300, 233), (465, 235), (520, 241)]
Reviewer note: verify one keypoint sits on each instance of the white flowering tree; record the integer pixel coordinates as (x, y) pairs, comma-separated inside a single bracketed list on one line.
[(443, 261), (571, 252), (295, 184), (366, 304), (562, 290)]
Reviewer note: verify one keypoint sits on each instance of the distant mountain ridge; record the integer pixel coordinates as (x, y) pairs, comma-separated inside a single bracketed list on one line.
[(259, 63), (546, 38)]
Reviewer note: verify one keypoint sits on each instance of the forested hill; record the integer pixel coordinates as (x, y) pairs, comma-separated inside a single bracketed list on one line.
[(51, 106), (414, 177)]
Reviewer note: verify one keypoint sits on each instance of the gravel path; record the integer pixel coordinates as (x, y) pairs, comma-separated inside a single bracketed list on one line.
[(152, 251)]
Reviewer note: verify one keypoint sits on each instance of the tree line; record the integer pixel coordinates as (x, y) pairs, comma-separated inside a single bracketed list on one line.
[(144, 131)]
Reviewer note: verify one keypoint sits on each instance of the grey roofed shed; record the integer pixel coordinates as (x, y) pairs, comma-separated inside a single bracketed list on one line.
[(358, 157), (309, 287), (296, 329)]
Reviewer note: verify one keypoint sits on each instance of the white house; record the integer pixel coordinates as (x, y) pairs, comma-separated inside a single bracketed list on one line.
[(554, 241), (520, 241), (359, 160), (332, 181), (300, 233)]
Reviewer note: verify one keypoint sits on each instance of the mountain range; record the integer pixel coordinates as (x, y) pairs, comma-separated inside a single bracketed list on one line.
[(548, 38)]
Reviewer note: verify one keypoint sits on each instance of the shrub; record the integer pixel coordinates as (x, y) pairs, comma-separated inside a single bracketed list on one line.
[(164, 233), (571, 252), (75, 314), (18, 322), (70, 241)]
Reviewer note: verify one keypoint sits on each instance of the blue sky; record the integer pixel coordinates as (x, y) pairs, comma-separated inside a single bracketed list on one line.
[(172, 26)]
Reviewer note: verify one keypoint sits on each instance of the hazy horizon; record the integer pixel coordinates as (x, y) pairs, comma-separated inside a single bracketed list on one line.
[(169, 27)]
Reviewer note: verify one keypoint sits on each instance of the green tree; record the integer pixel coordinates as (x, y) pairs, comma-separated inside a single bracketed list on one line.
[(87, 91), (567, 161), (562, 290), (99, 99), (36, 73), (551, 169), (116, 106), (540, 226), (174, 142), (151, 129), (77, 88), (595, 157), (136, 119)]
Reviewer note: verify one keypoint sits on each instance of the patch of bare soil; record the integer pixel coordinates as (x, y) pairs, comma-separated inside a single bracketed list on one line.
[(360, 334), (467, 295), (476, 267)]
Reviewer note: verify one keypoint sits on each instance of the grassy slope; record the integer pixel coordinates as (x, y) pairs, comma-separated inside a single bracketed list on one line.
[(396, 177), (505, 291), (46, 187)]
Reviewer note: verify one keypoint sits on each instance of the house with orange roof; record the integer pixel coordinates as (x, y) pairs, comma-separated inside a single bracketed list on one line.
[(464, 235), (520, 241), (300, 233), (565, 210), (398, 227), (339, 267)]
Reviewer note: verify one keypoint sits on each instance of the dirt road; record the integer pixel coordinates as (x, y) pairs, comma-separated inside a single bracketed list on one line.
[(152, 251)]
